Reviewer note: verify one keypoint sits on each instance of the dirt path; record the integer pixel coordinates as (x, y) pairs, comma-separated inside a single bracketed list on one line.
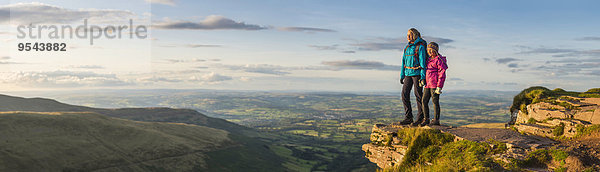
[(503, 135)]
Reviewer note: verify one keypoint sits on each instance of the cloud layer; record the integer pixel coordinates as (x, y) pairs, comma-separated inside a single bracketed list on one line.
[(62, 79), (360, 64), (212, 22), (164, 2), (36, 13), (589, 38), (506, 60), (305, 29), (394, 43), (211, 78)]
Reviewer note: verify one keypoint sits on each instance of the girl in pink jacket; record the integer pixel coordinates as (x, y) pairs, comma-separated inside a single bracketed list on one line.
[(435, 77)]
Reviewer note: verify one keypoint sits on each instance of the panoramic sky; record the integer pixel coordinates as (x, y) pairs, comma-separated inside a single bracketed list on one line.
[(309, 45)]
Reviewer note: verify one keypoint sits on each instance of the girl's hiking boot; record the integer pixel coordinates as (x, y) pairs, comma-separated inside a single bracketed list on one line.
[(417, 123), (406, 121)]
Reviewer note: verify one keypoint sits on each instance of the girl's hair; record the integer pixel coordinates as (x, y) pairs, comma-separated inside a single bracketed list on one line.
[(414, 32), (434, 46)]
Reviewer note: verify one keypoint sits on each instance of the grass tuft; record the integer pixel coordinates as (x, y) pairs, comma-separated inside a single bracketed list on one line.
[(541, 157), (559, 130), (584, 131)]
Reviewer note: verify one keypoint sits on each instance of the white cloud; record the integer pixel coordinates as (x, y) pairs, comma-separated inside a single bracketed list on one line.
[(211, 78), (360, 64), (164, 2), (191, 46), (324, 47), (257, 68), (304, 29), (245, 79), (153, 79), (378, 44), (185, 60), (61, 79), (86, 66), (212, 22), (36, 13)]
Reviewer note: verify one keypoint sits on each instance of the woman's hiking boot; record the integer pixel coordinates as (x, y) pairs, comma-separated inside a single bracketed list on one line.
[(424, 123), (435, 122)]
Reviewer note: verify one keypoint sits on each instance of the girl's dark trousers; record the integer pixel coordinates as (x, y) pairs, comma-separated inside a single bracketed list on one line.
[(428, 93)]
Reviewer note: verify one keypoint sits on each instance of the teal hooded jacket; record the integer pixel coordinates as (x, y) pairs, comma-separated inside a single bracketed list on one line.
[(409, 59)]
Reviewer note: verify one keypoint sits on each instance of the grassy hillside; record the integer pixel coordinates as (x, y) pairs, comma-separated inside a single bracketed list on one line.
[(55, 141), (247, 152), (11, 103)]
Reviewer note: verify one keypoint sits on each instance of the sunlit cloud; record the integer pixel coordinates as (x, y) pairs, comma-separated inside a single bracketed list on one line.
[(212, 22)]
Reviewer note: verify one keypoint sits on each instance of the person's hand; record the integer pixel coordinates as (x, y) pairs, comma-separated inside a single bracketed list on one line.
[(402, 81), (422, 83), (438, 90)]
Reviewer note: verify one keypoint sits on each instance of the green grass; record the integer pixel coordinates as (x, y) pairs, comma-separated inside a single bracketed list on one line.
[(497, 147), (542, 157), (531, 121), (559, 130), (584, 131), (432, 146), (593, 90), (421, 141)]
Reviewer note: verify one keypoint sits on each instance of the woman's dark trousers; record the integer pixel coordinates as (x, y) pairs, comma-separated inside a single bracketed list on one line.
[(409, 82)]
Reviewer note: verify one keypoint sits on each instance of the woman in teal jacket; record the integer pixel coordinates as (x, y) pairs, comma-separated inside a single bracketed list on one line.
[(412, 74)]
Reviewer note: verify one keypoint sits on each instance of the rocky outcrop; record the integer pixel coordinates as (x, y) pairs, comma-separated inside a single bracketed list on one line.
[(558, 119), (584, 109), (386, 149)]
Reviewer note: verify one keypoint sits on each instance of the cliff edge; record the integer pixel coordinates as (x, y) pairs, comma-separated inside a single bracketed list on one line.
[(405, 148), (550, 130)]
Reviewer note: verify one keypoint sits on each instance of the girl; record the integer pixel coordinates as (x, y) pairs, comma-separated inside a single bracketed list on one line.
[(436, 75)]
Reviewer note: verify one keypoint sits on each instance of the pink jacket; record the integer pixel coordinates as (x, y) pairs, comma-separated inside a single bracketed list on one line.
[(436, 71)]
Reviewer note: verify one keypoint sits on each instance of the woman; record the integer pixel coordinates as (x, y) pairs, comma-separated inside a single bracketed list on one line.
[(436, 76), (412, 74)]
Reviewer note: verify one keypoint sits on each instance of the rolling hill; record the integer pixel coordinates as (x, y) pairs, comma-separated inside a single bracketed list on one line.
[(40, 133), (64, 141)]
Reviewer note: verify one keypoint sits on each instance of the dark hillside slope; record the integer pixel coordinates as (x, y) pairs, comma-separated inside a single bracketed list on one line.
[(248, 152), (154, 114), (84, 141)]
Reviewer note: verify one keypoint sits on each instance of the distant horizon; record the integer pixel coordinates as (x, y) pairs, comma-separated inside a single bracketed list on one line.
[(37, 93)]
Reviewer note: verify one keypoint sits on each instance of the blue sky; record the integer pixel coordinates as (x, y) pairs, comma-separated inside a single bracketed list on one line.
[(307, 45)]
